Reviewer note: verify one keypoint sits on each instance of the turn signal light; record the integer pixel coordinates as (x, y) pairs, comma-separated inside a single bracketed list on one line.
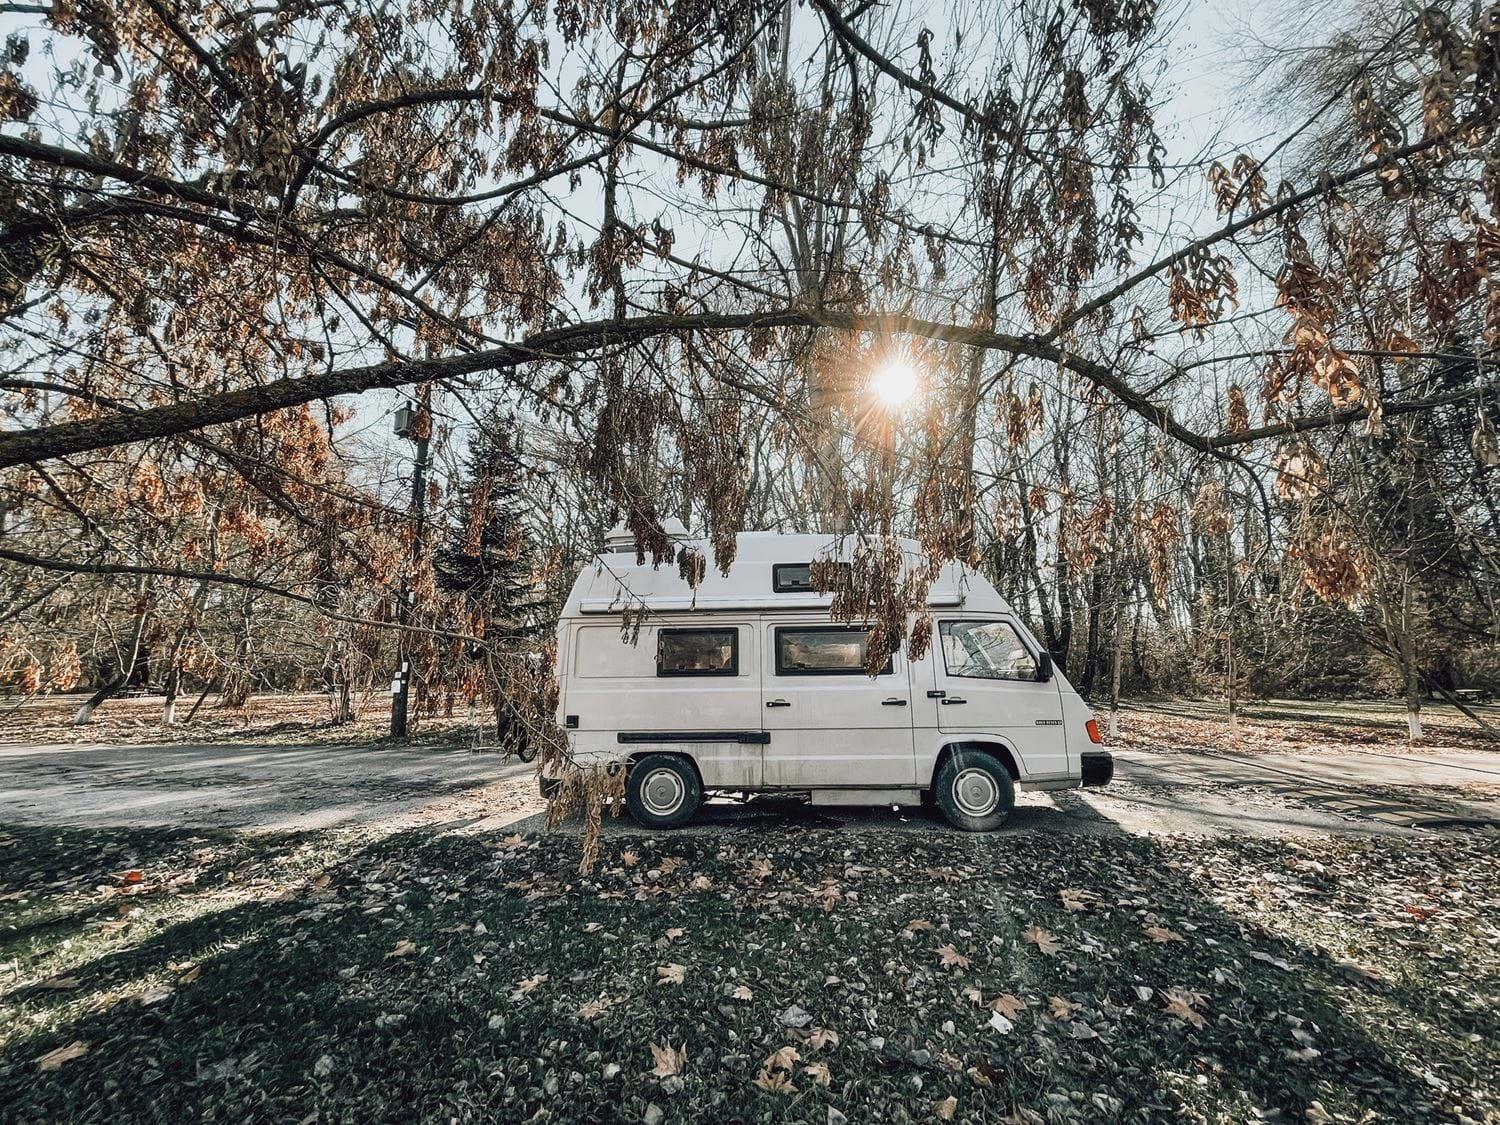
[(1094, 736)]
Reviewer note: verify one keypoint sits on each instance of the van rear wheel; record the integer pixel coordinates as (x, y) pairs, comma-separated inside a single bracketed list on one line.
[(662, 791), (974, 792)]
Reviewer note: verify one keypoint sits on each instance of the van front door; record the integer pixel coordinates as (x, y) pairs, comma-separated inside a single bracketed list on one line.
[(830, 724), (986, 684)]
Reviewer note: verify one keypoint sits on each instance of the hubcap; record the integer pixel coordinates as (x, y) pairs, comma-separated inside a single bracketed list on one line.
[(662, 792), (975, 792)]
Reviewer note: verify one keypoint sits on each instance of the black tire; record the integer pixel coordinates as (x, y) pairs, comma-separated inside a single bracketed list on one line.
[(662, 791), (974, 791)]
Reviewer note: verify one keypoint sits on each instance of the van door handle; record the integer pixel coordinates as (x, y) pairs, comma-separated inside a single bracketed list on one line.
[(937, 695), (893, 703), (777, 703), (952, 700)]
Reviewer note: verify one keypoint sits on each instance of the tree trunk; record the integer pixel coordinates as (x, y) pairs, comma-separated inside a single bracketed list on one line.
[(1091, 654), (169, 704), (117, 682), (1409, 665), (1229, 672)]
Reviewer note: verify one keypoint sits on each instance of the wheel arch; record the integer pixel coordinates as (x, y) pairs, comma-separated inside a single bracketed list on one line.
[(995, 748)]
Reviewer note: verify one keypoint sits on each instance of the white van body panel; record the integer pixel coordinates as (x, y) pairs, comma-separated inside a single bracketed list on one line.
[(775, 722)]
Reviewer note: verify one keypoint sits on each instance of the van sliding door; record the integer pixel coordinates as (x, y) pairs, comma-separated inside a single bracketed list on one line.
[(829, 723)]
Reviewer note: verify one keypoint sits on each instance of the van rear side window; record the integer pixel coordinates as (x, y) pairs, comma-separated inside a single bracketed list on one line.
[(698, 652), (823, 650)]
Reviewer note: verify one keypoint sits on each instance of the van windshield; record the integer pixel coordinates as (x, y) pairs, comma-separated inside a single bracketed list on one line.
[(986, 650)]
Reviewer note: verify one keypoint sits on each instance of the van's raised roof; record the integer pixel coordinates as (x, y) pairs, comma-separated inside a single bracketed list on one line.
[(614, 582)]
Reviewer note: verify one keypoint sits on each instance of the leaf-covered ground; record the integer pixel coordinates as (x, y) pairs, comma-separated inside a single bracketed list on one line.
[(750, 976), (1302, 726)]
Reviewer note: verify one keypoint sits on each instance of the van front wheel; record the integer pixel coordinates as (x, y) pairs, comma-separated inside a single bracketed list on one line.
[(662, 791), (974, 792)]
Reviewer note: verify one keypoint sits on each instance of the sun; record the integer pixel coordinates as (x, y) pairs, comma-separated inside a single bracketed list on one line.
[(895, 382)]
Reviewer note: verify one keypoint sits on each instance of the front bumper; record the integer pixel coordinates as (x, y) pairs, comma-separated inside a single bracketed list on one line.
[(1098, 767)]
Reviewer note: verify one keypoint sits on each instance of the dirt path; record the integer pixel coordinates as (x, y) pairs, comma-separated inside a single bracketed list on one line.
[(260, 787), (276, 787)]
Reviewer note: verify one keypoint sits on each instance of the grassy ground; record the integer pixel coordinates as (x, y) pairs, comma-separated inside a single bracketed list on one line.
[(748, 976)]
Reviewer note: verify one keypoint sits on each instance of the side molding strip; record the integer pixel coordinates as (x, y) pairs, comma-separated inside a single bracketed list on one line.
[(746, 737)]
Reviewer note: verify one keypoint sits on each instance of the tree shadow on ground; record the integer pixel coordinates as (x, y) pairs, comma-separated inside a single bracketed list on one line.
[(307, 1003)]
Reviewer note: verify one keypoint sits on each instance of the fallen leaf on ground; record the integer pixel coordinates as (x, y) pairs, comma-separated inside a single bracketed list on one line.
[(1007, 1005), (1062, 1009), (1180, 1003), (1363, 972), (1045, 940), (403, 948), (741, 992), (1074, 899), (594, 1008), (1161, 935), (531, 983), (782, 1059), (670, 973), (669, 1060), (951, 958), (775, 1082), (946, 1108), (1284, 966), (54, 1059), (513, 843), (821, 1037), (818, 1073), (629, 858)]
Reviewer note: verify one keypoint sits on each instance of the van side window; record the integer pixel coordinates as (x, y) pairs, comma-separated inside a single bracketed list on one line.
[(985, 650), (698, 652), (824, 650)]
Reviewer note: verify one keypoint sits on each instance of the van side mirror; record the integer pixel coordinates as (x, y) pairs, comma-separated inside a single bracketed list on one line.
[(1044, 668)]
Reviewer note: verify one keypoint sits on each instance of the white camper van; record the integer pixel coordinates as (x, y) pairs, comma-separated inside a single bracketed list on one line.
[(746, 686)]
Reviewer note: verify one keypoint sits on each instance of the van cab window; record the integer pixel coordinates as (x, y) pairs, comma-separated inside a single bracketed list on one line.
[(985, 650), (698, 652), (824, 650)]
